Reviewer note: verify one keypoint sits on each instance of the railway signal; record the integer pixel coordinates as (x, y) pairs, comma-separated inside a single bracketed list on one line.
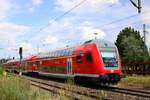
[(20, 53)]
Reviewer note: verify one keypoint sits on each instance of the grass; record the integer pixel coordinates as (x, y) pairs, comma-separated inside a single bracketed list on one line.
[(136, 81), (1, 70), (14, 88)]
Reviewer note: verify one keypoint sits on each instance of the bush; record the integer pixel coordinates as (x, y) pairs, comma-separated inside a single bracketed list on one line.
[(1, 70)]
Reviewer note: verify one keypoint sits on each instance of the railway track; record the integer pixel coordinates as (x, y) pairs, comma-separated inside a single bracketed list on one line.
[(80, 92), (72, 92), (138, 93)]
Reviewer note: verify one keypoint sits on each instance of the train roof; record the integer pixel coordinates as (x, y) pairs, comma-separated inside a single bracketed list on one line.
[(58, 52), (101, 43), (13, 60), (69, 50)]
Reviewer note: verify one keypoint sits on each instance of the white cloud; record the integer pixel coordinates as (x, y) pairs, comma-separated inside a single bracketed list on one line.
[(37, 2), (87, 6), (34, 4), (50, 40), (10, 31), (26, 46), (31, 9), (13, 27), (65, 30), (28, 49), (5, 8), (88, 32), (145, 17)]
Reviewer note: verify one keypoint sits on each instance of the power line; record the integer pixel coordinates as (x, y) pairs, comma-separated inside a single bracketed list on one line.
[(125, 18), (116, 21), (114, 28), (80, 3), (64, 14), (61, 16)]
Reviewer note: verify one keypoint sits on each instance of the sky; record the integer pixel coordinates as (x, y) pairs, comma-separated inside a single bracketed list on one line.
[(38, 25)]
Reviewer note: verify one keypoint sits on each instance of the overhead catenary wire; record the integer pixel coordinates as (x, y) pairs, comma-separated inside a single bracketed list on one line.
[(64, 14), (80, 3), (122, 19), (126, 25), (74, 7)]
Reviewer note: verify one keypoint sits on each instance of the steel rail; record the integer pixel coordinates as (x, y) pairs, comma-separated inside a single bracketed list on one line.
[(139, 93), (94, 93), (77, 94)]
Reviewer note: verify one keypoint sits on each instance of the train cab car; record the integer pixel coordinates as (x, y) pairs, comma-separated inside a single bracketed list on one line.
[(95, 59), (98, 59)]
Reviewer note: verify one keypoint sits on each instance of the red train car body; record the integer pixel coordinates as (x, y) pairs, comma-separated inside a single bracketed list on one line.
[(96, 59)]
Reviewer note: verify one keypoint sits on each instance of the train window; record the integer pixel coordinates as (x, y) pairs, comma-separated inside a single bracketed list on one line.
[(51, 54), (78, 59), (64, 52), (55, 53), (58, 53), (61, 54), (67, 52), (89, 58), (71, 51)]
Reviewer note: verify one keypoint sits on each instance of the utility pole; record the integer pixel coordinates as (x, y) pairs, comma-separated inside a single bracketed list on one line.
[(138, 5), (144, 33)]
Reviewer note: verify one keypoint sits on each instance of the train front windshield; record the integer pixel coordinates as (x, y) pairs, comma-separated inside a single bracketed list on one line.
[(110, 59)]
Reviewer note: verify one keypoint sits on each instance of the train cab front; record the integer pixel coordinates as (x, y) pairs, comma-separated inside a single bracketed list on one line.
[(109, 66)]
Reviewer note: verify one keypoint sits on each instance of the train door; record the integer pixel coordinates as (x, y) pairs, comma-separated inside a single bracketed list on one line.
[(38, 65), (69, 66)]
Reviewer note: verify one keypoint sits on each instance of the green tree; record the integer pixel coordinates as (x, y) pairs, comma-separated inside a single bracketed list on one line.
[(131, 46)]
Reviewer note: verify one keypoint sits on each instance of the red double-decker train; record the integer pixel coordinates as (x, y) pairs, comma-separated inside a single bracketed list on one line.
[(95, 59)]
